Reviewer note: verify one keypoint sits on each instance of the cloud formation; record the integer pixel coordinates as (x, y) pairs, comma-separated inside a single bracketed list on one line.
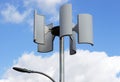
[(85, 66), (12, 13), (47, 7)]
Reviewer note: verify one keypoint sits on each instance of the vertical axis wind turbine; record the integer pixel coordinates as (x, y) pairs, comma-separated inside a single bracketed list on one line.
[(44, 34)]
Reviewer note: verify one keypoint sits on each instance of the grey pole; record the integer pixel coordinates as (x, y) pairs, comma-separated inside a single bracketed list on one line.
[(61, 59)]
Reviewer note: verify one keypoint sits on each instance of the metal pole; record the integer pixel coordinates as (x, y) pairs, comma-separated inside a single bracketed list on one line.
[(61, 59)]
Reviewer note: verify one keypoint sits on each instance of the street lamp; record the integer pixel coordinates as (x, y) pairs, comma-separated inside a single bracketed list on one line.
[(24, 70)]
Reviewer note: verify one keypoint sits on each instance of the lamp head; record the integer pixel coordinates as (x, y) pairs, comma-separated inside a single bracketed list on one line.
[(22, 70)]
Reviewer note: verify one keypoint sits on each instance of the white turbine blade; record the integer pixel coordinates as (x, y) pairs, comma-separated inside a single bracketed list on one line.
[(48, 46), (85, 32), (66, 20), (73, 43), (39, 29)]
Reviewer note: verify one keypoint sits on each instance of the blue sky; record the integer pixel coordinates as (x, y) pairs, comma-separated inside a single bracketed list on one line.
[(17, 33)]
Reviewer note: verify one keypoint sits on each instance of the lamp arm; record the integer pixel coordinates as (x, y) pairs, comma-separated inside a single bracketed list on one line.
[(24, 70), (43, 74)]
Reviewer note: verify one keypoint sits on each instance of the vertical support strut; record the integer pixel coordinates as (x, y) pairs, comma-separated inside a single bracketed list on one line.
[(61, 59)]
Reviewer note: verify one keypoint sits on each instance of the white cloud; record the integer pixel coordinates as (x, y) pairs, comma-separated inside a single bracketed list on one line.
[(48, 7), (11, 14), (85, 66)]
